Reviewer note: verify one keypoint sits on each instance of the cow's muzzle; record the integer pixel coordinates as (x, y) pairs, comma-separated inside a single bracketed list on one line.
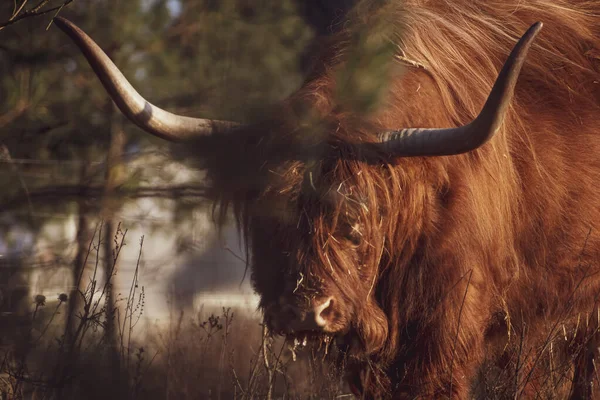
[(287, 317)]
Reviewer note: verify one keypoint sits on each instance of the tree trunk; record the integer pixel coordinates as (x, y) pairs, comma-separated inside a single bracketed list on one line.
[(75, 300), (110, 207)]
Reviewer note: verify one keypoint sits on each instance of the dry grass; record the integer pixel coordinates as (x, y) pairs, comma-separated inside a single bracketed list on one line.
[(221, 357), (208, 356), (204, 356)]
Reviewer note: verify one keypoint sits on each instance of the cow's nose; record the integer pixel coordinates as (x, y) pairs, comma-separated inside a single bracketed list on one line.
[(323, 312), (317, 317)]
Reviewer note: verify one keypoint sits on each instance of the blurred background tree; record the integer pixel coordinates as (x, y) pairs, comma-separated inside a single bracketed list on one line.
[(63, 145)]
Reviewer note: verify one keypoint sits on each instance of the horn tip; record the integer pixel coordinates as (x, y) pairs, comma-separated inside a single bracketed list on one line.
[(60, 20), (64, 24), (535, 28), (528, 38)]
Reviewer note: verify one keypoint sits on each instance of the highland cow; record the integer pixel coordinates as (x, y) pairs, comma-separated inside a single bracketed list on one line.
[(421, 253)]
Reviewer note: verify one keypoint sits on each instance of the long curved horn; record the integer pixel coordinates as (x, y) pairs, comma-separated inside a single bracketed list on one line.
[(441, 142), (145, 115)]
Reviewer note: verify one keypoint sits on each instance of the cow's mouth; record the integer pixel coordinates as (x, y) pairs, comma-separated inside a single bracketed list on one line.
[(298, 341)]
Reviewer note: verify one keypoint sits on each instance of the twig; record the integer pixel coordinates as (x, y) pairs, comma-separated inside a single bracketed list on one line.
[(15, 11), (519, 354), (33, 12), (266, 362), (458, 330), (49, 322), (130, 307)]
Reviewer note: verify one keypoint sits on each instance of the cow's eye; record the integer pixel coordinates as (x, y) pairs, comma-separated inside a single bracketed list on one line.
[(354, 234), (354, 239)]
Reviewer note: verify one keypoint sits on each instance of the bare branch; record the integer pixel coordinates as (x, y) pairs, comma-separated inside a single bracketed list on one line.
[(36, 11), (70, 192)]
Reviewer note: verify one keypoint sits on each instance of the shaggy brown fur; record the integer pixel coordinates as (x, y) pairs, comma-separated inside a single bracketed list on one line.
[(487, 258)]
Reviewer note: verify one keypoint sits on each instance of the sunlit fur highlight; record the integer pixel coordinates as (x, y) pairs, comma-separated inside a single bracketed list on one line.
[(456, 249)]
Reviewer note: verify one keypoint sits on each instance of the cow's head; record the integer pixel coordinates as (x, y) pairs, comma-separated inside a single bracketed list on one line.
[(317, 233)]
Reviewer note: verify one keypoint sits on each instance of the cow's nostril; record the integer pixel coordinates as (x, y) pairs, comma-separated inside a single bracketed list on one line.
[(324, 312)]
